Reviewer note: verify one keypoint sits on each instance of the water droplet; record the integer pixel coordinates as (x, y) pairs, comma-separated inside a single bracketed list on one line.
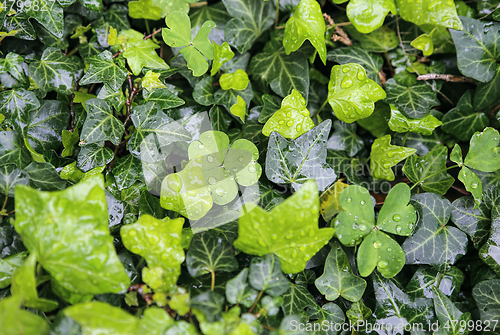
[(411, 226), (362, 227), (473, 185), (396, 217), (382, 264), (302, 248), (353, 242), (362, 202), (389, 249), (361, 75), (220, 191), (289, 123), (210, 158), (348, 199), (132, 233), (201, 147), (289, 236), (377, 244), (240, 159), (299, 127), (281, 122), (289, 114), (293, 245), (212, 180), (251, 168), (274, 236), (398, 229), (345, 69), (346, 83)]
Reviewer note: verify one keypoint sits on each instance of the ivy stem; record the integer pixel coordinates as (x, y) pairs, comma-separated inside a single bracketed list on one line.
[(198, 4), (432, 175), (255, 302), (212, 286), (148, 30), (276, 20), (152, 34), (72, 52), (319, 109), (4, 203)]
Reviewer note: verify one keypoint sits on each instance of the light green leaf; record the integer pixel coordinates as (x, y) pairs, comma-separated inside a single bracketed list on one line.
[(472, 219), (306, 23), (338, 279), (377, 123), (236, 81), (370, 62), (292, 119), (208, 254), (55, 71), (433, 242), (159, 243), (401, 124), (302, 237), (358, 312), (265, 275), (414, 101), (429, 171), (103, 70), (24, 284), (8, 266), (396, 215), (456, 155), (10, 177), (472, 184), (222, 55), (439, 12), (477, 55), (463, 121), (345, 138), (145, 9), (142, 54), (351, 94), (250, 19), (151, 81), (69, 140), (16, 320), (100, 123), (484, 153), (239, 109), (424, 43), (367, 16), (296, 161), (329, 200), (62, 240), (384, 156)]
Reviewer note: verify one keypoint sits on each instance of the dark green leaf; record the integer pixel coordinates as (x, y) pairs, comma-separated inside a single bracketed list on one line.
[(103, 70), (43, 176), (372, 63), (345, 138), (100, 124), (414, 101)]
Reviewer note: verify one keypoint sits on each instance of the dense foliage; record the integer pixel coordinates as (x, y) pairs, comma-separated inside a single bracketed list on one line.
[(249, 167)]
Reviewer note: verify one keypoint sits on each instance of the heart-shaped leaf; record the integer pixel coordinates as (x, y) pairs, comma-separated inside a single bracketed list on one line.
[(484, 153), (367, 16), (222, 55), (384, 156), (380, 251), (235, 81), (265, 275), (396, 215)]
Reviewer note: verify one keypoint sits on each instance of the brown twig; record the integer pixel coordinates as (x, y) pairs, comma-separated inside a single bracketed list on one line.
[(152, 34), (446, 77), (382, 77), (339, 35), (117, 54)]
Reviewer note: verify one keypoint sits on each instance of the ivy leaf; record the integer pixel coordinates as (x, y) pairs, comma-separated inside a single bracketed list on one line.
[(429, 171), (8, 266), (24, 284), (462, 121), (414, 101), (370, 62), (283, 73), (265, 275), (93, 155), (381, 40), (380, 251), (484, 154), (127, 170), (143, 54), (236, 81), (330, 200), (486, 296), (384, 156), (69, 140), (472, 184), (219, 118), (83, 224), (477, 56), (10, 177), (238, 291), (44, 177), (302, 237), (296, 299), (491, 249), (16, 320), (358, 312), (203, 92), (292, 119), (250, 20), (163, 97), (100, 124), (396, 215), (433, 242), (159, 243), (401, 124), (338, 279), (351, 94), (103, 70), (426, 277), (153, 130), (367, 16), (345, 138), (296, 161), (49, 14), (306, 23), (208, 254), (55, 71), (222, 55), (428, 11), (145, 9), (16, 101), (474, 222)]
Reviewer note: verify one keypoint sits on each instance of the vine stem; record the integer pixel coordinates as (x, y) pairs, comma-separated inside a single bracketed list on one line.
[(256, 301), (319, 109), (276, 20), (4, 203), (212, 286), (198, 4), (432, 175)]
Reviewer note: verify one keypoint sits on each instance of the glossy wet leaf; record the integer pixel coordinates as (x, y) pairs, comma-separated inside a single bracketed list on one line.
[(266, 275), (16, 101), (330, 200), (397, 216), (235, 81), (345, 138), (222, 55), (441, 13), (351, 94), (384, 156), (463, 121), (16, 320), (484, 153), (425, 278), (381, 40), (142, 54), (55, 71), (370, 62), (127, 170), (486, 296), (491, 249), (367, 16), (433, 241), (203, 92), (296, 299), (358, 311), (380, 251), (100, 123), (162, 97), (144, 9), (239, 109), (296, 161), (429, 171), (49, 14), (103, 70), (423, 43), (159, 243), (250, 20), (44, 177), (10, 177), (472, 184), (207, 253), (401, 124), (8, 266), (414, 101), (292, 119), (306, 23), (62, 240), (477, 57), (453, 321), (92, 156), (302, 237), (338, 278), (239, 291)]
